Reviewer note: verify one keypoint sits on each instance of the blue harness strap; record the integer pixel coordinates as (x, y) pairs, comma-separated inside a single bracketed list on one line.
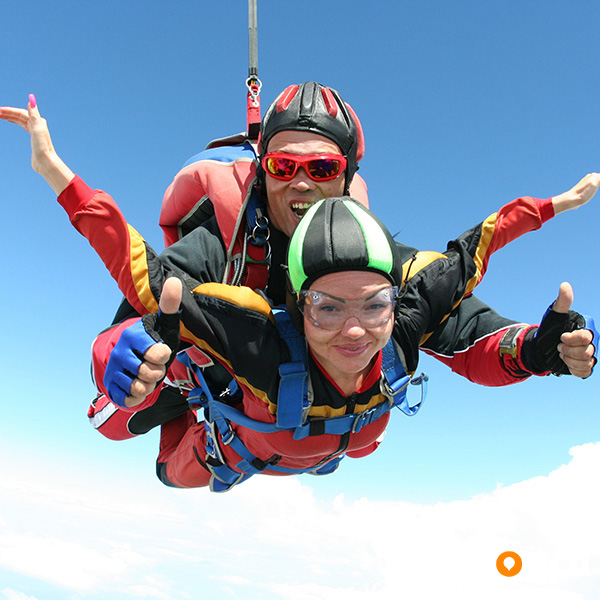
[(201, 394), (292, 399), (395, 381)]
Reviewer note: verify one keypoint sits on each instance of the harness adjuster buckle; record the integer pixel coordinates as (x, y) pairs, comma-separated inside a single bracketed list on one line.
[(362, 419), (210, 448), (261, 465), (228, 437), (197, 399), (419, 379), (391, 391), (357, 424)]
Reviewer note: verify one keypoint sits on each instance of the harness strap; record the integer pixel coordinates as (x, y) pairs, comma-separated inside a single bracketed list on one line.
[(201, 394), (343, 424), (292, 398), (225, 477), (395, 381), (258, 253)]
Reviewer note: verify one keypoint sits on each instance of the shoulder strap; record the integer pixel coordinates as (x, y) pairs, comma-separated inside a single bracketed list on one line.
[(219, 178), (395, 380), (292, 400)]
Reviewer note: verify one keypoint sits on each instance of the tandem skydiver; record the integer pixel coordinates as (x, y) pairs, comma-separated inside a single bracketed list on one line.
[(311, 142)]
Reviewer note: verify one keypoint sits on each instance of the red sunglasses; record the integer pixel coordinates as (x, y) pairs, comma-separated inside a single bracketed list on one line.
[(319, 167)]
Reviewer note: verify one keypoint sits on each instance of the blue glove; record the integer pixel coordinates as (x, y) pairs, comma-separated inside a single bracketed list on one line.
[(128, 354)]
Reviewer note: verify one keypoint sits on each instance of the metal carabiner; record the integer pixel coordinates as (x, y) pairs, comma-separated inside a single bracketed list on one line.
[(261, 232), (254, 86)]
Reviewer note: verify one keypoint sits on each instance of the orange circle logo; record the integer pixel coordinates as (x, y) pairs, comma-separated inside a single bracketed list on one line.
[(514, 564)]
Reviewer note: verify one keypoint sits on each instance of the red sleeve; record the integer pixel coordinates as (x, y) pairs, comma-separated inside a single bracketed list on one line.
[(512, 221), (122, 249), (482, 363)]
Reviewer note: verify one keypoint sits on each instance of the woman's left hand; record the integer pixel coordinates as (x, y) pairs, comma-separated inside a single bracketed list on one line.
[(44, 158)]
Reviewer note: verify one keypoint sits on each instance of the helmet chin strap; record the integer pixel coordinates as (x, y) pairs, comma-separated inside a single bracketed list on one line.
[(349, 177), (291, 303)]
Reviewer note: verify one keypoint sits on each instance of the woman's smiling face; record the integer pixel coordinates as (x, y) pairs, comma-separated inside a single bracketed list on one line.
[(348, 353)]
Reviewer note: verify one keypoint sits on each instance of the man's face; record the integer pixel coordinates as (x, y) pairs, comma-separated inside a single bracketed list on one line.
[(289, 200)]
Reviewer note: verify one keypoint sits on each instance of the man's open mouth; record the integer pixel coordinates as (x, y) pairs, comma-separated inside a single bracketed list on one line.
[(299, 208)]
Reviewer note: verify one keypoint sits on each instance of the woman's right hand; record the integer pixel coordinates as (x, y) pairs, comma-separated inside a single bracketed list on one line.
[(140, 359)]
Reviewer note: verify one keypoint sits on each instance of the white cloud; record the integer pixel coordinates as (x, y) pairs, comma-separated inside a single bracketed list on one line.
[(12, 595), (272, 538)]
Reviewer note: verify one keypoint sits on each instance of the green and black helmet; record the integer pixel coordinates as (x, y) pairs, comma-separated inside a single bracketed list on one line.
[(340, 234)]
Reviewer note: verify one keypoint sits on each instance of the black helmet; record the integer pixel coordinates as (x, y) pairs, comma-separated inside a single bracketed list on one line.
[(313, 107), (340, 234)]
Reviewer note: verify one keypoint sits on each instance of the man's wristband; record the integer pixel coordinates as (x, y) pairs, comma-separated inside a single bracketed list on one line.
[(509, 342)]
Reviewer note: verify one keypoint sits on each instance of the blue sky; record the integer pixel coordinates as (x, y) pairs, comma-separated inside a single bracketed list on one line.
[(464, 106)]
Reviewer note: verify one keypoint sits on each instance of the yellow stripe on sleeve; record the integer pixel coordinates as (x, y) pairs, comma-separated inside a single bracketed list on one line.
[(138, 265), (488, 227)]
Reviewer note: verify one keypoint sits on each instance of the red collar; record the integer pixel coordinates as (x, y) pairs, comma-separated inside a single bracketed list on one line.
[(370, 380)]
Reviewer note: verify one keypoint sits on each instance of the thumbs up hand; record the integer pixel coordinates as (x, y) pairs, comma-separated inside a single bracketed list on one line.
[(139, 360), (578, 348), (564, 341)]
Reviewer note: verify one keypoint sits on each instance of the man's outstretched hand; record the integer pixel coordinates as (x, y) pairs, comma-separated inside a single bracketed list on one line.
[(575, 348), (561, 344)]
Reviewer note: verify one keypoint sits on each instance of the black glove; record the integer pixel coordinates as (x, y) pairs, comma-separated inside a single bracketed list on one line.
[(162, 327), (539, 352)]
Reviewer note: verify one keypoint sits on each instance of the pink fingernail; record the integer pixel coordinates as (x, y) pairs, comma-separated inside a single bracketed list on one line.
[(32, 101)]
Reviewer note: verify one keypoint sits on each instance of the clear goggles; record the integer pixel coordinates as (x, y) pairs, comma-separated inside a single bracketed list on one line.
[(331, 313)]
